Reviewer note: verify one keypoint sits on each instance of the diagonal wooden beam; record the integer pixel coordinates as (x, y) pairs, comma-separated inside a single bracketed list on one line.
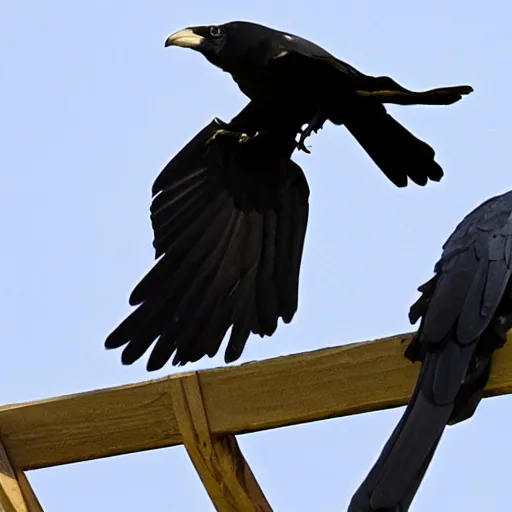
[(312, 386), (16, 494), (225, 473)]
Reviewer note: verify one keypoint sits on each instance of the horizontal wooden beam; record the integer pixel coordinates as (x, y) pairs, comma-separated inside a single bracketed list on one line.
[(326, 383)]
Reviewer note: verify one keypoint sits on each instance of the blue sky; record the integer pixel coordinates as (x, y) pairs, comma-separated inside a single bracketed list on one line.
[(92, 107)]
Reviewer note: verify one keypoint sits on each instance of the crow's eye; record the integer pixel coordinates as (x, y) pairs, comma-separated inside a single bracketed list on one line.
[(215, 31)]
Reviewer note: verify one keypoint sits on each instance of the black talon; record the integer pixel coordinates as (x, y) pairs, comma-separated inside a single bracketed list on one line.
[(314, 125), (300, 144)]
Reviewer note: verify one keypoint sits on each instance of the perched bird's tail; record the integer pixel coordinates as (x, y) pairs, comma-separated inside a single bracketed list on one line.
[(397, 152), (396, 475)]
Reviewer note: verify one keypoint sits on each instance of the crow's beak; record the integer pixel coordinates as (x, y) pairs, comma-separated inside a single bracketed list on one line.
[(184, 38)]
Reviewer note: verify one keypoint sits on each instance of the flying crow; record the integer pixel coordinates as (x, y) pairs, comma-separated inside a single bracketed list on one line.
[(230, 210)]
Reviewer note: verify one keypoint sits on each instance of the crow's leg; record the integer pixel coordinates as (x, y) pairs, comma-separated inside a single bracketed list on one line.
[(316, 123)]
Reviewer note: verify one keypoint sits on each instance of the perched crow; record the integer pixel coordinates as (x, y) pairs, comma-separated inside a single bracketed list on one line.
[(229, 221), (466, 312), (301, 81)]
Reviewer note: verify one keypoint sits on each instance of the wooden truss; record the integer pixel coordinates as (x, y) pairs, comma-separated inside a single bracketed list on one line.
[(205, 410)]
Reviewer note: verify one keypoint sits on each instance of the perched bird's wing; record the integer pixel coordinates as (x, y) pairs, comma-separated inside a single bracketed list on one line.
[(466, 310), (382, 88), (229, 221), (471, 277)]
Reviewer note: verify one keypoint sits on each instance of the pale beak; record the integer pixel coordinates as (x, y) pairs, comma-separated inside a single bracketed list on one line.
[(184, 38)]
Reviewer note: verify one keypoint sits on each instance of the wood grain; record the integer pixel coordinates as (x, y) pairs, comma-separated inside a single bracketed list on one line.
[(28, 493), (225, 473), (16, 494), (312, 386), (89, 425)]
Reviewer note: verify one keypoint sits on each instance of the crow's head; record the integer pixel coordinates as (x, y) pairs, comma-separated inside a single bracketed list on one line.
[(230, 46)]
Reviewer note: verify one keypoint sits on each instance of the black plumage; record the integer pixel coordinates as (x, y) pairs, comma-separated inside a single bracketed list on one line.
[(231, 208), (229, 223), (466, 312), (287, 73)]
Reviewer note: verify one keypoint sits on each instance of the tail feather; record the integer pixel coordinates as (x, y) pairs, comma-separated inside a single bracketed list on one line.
[(397, 152), (398, 472), (387, 90)]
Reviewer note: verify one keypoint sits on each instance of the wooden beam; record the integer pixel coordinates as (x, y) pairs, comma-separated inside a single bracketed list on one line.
[(16, 494), (89, 425), (28, 493), (225, 473), (288, 390)]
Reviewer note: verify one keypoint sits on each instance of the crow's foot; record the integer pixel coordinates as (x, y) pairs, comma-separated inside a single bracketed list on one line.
[(316, 123), (242, 137)]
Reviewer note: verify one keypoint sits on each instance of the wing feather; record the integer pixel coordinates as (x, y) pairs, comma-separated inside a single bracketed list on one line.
[(229, 222), (473, 273)]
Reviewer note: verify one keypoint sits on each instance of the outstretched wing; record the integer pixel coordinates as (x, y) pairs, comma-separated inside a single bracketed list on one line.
[(382, 88), (229, 223)]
